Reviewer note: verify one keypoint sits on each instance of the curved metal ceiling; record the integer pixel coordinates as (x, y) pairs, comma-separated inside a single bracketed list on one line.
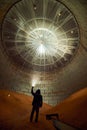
[(40, 35)]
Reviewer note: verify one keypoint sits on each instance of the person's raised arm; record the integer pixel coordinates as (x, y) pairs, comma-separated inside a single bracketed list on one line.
[(32, 90)]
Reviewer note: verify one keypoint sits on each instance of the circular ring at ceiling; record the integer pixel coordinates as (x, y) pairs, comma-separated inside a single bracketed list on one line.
[(40, 35)]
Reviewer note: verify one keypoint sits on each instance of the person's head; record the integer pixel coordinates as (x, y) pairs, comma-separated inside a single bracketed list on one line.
[(38, 91)]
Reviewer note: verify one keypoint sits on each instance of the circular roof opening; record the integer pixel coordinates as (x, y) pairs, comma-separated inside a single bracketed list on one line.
[(40, 35)]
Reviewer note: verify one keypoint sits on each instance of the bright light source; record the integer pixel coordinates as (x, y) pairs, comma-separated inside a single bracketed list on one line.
[(35, 7), (9, 95), (72, 31), (59, 14), (41, 49), (33, 83), (43, 42)]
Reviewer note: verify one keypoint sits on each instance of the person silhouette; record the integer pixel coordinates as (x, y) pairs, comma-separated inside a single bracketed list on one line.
[(36, 103)]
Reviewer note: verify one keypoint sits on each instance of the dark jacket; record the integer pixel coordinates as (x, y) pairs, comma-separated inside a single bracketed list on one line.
[(37, 100)]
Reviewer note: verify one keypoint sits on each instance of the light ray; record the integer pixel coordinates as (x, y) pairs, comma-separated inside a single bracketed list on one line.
[(64, 21)]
